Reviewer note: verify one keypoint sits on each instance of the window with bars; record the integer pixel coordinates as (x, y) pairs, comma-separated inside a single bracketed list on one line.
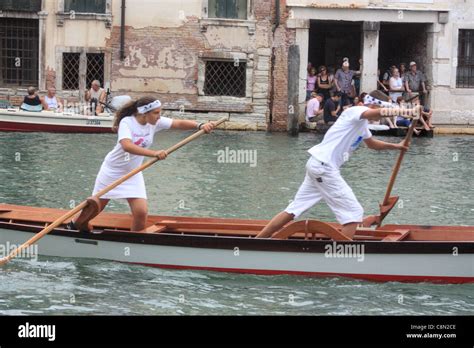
[(19, 51), (95, 68), (465, 69), (225, 78), (72, 70), (236, 9), (85, 6)]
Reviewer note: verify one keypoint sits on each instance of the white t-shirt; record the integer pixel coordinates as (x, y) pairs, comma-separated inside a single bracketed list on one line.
[(311, 107), (344, 136), (52, 102), (396, 83), (119, 161)]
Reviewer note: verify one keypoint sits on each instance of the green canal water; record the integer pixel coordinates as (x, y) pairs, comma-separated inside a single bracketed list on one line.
[(435, 185)]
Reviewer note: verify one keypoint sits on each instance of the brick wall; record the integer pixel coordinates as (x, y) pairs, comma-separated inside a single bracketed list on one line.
[(283, 38), (50, 78)]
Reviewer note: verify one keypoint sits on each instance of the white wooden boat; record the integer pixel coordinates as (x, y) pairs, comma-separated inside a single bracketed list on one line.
[(408, 253), (16, 120)]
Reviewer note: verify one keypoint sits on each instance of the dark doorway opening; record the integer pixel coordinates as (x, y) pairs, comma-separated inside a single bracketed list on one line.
[(402, 43), (330, 42)]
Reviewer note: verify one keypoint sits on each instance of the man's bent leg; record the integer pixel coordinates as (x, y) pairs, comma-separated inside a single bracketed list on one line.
[(342, 201), (275, 224), (307, 196)]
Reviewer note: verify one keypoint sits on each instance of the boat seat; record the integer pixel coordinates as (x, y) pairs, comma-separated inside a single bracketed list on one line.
[(310, 226), (396, 236)]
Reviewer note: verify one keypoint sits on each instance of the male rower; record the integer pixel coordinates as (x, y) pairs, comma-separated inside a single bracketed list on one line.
[(323, 179)]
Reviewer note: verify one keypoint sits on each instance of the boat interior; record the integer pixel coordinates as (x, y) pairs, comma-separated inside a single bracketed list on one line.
[(221, 227)]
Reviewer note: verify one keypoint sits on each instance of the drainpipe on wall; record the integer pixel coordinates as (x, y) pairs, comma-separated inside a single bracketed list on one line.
[(122, 32), (276, 24)]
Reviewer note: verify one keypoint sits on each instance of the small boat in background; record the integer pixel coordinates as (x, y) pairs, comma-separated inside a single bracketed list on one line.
[(400, 132), (407, 253), (16, 120), (379, 130)]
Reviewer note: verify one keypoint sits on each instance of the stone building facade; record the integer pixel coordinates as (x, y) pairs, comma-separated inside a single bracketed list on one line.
[(245, 59), (437, 34)]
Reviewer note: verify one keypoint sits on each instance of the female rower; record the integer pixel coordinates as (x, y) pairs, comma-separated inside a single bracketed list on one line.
[(136, 124)]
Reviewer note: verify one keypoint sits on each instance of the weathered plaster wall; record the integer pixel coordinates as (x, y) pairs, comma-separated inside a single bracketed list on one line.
[(164, 56), (71, 32)]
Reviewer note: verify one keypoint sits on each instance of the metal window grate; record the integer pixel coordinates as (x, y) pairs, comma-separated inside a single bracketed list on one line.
[(465, 69), (19, 51), (224, 78), (95, 68), (71, 71)]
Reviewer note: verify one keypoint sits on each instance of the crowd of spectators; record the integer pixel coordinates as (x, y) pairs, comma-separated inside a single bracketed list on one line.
[(329, 92)]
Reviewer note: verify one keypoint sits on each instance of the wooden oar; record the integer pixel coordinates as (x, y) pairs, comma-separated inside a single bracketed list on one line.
[(99, 194), (396, 168)]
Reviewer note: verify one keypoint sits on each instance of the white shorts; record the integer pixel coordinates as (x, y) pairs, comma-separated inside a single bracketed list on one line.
[(131, 188), (324, 182)]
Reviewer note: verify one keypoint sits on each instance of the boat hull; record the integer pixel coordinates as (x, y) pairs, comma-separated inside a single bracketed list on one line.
[(380, 261), (24, 121)]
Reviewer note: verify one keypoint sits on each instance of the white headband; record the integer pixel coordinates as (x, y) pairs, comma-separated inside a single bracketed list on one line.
[(152, 106), (369, 100)]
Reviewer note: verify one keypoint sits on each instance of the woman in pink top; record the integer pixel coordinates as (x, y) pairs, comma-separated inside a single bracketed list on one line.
[(311, 83)]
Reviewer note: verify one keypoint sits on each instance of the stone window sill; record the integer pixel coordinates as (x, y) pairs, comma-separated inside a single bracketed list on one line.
[(204, 23), (224, 99), (105, 17), (462, 91)]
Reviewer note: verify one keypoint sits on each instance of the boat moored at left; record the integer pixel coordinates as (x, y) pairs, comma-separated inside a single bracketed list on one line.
[(16, 120)]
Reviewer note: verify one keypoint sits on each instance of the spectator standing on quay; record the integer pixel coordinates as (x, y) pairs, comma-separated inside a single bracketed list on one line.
[(343, 81), (325, 82), (415, 82), (313, 108), (311, 83), (387, 75), (332, 108), (396, 85), (403, 71), (380, 85), (357, 79)]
